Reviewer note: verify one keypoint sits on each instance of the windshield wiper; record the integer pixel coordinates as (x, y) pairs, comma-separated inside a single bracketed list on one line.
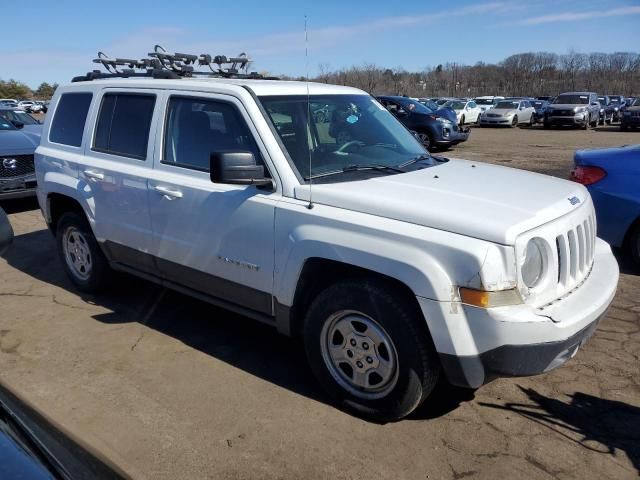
[(424, 156), (359, 168)]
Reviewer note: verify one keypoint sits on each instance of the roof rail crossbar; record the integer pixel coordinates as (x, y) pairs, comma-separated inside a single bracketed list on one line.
[(174, 65)]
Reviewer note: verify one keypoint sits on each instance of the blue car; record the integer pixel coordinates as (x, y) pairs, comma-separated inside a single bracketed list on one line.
[(612, 176)]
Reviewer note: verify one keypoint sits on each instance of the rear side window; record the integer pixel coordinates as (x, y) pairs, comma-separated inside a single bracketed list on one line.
[(123, 124), (69, 119)]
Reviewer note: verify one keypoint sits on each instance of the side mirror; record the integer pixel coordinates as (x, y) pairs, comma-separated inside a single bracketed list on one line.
[(18, 125), (237, 168)]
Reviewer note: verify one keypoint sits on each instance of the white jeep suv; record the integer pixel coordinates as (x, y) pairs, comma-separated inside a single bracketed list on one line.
[(392, 266)]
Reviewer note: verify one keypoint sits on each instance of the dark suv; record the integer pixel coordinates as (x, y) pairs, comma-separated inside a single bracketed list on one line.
[(617, 102), (606, 109), (575, 109), (434, 131)]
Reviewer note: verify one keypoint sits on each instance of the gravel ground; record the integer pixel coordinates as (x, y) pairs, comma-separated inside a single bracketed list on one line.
[(168, 387)]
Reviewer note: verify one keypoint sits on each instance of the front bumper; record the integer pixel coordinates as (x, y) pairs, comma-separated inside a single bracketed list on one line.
[(478, 345), (505, 121), (577, 120), (19, 187), (453, 137)]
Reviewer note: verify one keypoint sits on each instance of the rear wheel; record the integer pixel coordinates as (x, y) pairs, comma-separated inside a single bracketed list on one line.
[(369, 349), (462, 120), (80, 253)]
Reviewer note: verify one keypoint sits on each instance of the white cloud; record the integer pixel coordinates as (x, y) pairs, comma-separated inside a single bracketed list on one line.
[(578, 16)]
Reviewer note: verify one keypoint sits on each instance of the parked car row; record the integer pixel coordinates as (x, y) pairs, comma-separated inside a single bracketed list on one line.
[(29, 106), (575, 109)]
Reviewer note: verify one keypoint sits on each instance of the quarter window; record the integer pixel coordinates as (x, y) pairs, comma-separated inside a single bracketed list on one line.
[(196, 128), (70, 117), (123, 124)]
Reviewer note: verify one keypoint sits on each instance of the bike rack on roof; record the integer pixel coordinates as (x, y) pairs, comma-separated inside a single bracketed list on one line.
[(173, 65)]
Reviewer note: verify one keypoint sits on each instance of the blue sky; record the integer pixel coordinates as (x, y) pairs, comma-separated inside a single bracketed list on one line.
[(46, 40)]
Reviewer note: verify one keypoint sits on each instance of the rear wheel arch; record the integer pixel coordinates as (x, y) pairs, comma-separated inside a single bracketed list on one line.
[(58, 204)]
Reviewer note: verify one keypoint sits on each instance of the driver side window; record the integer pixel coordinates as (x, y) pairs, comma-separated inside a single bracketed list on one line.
[(196, 128)]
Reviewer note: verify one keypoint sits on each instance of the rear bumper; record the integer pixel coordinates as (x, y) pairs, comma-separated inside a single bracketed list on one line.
[(477, 345)]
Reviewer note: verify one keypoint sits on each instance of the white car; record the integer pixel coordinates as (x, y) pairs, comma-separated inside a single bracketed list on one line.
[(510, 113), (25, 105), (487, 102), (391, 266), (467, 111)]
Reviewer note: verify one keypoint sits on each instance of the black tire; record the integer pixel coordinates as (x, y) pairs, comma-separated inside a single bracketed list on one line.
[(97, 271), (514, 122), (587, 123), (462, 121), (546, 125), (632, 246), (417, 367), (623, 128), (532, 121)]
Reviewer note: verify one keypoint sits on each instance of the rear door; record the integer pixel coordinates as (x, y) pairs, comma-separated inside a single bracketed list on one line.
[(215, 238), (115, 172)]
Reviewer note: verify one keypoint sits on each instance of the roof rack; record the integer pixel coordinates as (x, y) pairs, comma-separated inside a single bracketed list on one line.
[(172, 65)]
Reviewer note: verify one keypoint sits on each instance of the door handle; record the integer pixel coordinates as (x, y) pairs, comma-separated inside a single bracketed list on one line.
[(167, 192), (93, 175)]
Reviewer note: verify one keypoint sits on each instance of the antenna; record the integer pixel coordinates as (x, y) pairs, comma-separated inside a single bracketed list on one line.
[(306, 55)]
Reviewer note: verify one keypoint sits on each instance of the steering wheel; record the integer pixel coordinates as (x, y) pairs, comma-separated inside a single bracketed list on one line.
[(343, 148)]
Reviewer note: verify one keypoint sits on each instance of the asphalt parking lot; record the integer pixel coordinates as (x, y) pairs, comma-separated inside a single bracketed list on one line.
[(168, 387)]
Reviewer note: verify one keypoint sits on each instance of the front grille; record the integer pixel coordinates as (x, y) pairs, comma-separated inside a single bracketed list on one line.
[(13, 166), (493, 115), (563, 113), (575, 253)]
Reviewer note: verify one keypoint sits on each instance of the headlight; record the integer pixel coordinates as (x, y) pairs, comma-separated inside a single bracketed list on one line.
[(443, 121), (532, 266), (509, 114), (615, 108), (579, 109), (602, 110)]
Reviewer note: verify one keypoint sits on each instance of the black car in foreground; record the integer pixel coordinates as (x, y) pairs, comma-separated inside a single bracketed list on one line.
[(434, 131), (32, 448), (540, 107), (606, 109)]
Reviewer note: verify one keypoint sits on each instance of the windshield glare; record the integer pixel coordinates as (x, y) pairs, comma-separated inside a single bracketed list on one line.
[(572, 100), (352, 130), (22, 117), (484, 101), (456, 105), (6, 124)]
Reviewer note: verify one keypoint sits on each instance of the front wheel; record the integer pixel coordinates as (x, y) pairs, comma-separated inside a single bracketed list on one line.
[(587, 122), (633, 246), (80, 253), (462, 120), (425, 139), (514, 122), (369, 348)]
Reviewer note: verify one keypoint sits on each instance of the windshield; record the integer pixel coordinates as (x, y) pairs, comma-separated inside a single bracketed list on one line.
[(484, 101), (508, 105), (456, 105), (537, 104), (6, 124), (571, 100), (412, 105), (615, 99), (357, 131), (17, 116)]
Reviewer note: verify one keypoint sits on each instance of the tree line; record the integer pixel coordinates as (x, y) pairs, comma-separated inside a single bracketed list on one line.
[(20, 91), (523, 74)]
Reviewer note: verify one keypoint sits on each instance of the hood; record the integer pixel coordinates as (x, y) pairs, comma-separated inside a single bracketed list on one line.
[(503, 111), (447, 113), (475, 199), (17, 142)]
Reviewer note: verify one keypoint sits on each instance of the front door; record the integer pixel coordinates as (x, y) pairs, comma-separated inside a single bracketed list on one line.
[(214, 238)]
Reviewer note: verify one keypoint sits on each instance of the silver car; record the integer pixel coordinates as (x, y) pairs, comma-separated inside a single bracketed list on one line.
[(574, 109), (17, 173), (509, 113)]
